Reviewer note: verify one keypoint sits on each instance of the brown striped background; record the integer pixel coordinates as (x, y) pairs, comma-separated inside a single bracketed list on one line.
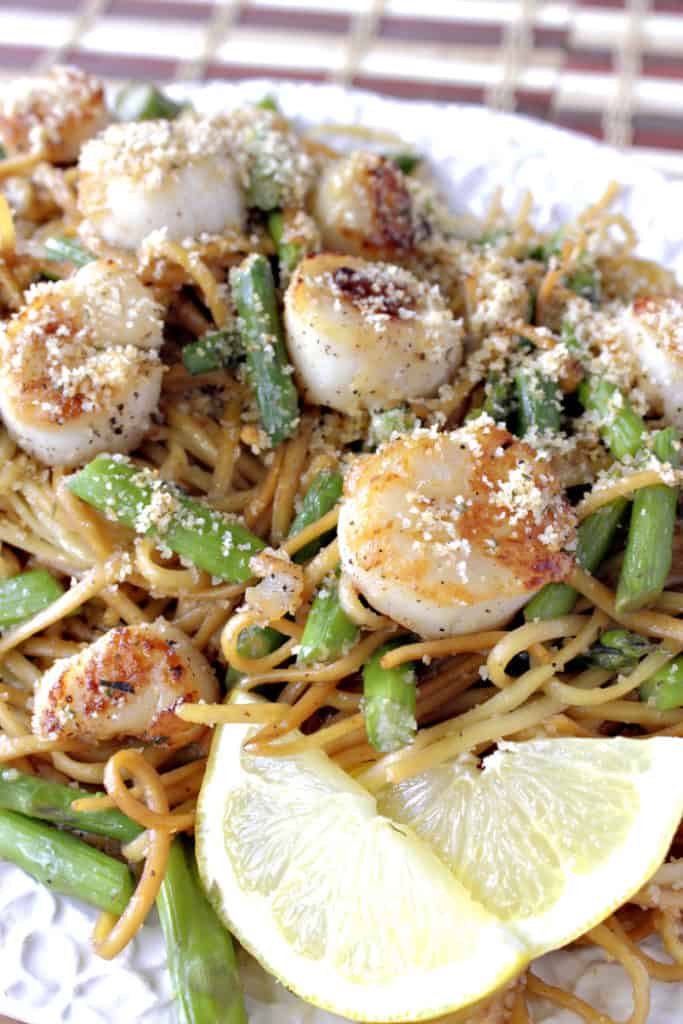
[(612, 69)]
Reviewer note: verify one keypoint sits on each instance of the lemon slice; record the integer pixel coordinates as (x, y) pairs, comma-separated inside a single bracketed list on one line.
[(552, 835), (348, 909), (433, 896)]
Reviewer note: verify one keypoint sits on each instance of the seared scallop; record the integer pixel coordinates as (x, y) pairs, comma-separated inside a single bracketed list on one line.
[(367, 335), (364, 206), (172, 176), (652, 328), (453, 533), (79, 365), (125, 686), (54, 113)]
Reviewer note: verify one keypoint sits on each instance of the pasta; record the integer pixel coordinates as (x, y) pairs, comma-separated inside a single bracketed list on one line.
[(531, 322)]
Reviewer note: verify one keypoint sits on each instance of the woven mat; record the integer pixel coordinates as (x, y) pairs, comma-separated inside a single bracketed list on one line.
[(610, 68)]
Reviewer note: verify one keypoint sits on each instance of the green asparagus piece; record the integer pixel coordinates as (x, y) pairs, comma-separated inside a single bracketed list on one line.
[(585, 281), (664, 689), (258, 641), (140, 101), (328, 632), (268, 103), (568, 336), (497, 397), (390, 421), (647, 559), (51, 801), (270, 374), (320, 498), (215, 350), (201, 956), (26, 594), (406, 162), (491, 237), (289, 254), (254, 642), (545, 250), (267, 187), (67, 250), (624, 430), (139, 499), (618, 649), (594, 537), (65, 863), (389, 700), (3, 152), (539, 402)]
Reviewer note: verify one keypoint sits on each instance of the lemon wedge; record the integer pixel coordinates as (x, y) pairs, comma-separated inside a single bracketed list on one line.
[(434, 895), (551, 835)]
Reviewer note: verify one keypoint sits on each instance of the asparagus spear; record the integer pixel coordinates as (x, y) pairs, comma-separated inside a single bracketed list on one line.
[(323, 494), (140, 101), (201, 957), (328, 632), (585, 281), (406, 162), (67, 250), (26, 594), (618, 649), (624, 429), (594, 536), (496, 399), (545, 250), (389, 701), (538, 402), (289, 254), (390, 421), (52, 801), (213, 351), (255, 642), (270, 374), (647, 559), (139, 499), (623, 433), (65, 863), (268, 103), (664, 690), (491, 237)]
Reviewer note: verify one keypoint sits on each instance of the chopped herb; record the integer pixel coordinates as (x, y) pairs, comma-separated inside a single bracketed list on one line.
[(117, 685)]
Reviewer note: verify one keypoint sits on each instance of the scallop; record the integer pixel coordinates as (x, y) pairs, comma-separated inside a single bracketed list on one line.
[(126, 686), (53, 113), (364, 206), (367, 335), (172, 176), (450, 533), (79, 365), (652, 329)]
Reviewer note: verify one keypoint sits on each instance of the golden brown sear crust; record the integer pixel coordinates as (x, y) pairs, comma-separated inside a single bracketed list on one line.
[(56, 114), (512, 512), (519, 536), (393, 227), (112, 679), (126, 686)]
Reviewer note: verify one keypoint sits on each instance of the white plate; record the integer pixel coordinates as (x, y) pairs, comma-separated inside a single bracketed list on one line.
[(48, 974)]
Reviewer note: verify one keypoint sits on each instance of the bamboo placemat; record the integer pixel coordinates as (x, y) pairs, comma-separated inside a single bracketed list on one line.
[(610, 68)]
